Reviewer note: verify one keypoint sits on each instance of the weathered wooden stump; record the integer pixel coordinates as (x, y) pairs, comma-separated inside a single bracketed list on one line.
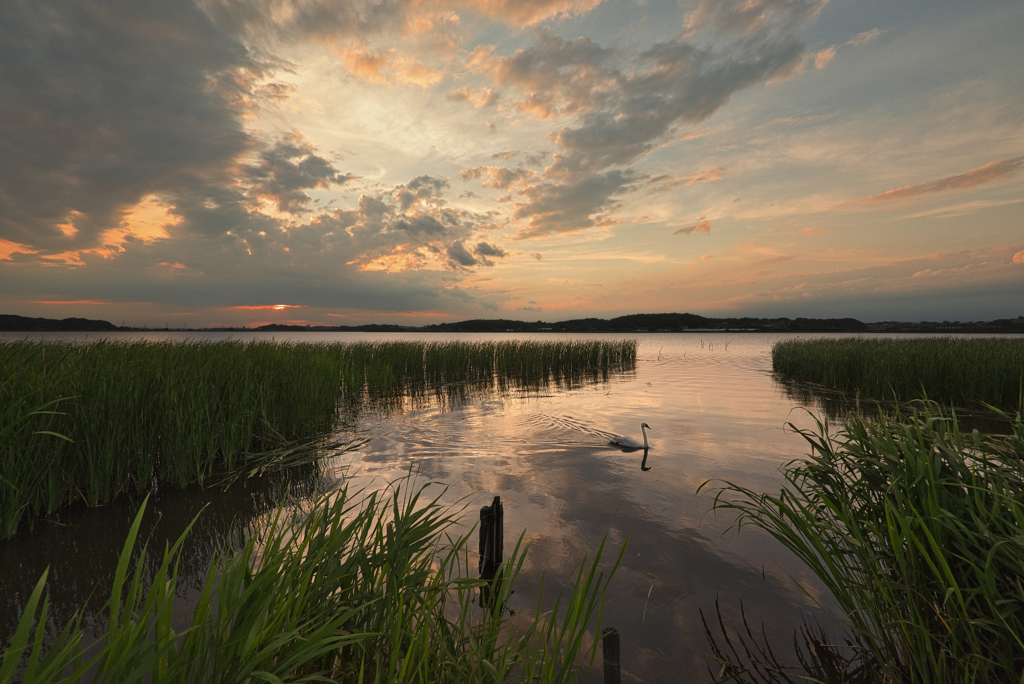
[(610, 644), (492, 541)]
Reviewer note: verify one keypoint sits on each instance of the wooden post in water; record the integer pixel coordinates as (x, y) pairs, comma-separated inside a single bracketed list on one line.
[(610, 643), (492, 541)]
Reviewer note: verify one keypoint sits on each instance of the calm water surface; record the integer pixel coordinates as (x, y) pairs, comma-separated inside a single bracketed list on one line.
[(716, 414)]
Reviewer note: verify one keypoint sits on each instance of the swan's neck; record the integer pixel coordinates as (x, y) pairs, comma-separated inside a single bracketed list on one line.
[(643, 429)]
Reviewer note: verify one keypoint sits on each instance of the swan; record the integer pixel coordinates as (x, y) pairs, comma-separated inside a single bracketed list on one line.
[(629, 442)]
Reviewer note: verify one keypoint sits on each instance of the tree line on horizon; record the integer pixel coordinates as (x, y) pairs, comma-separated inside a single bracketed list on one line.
[(648, 322)]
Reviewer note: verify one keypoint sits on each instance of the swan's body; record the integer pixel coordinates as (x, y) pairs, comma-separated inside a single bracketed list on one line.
[(629, 442)]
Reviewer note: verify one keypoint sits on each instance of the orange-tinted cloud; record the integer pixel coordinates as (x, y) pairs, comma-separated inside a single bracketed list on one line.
[(703, 225), (993, 171), (865, 36), (484, 97), (415, 72), (7, 248), (365, 65), (1018, 258), (708, 176), (531, 12), (499, 177), (89, 302), (823, 57), (274, 307)]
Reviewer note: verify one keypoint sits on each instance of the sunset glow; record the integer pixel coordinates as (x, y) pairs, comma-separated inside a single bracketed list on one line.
[(424, 161)]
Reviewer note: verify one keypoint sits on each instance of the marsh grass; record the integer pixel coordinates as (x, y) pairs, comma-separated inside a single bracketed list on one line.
[(746, 656), (89, 422), (969, 373), (916, 528), (351, 587)]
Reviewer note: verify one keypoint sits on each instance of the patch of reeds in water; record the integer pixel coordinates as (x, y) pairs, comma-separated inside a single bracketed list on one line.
[(370, 588), (88, 422), (963, 372), (916, 528)]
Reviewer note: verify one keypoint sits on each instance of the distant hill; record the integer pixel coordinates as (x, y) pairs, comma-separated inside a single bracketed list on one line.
[(25, 324)]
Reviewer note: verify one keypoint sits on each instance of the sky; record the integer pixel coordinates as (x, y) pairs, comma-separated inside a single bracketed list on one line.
[(341, 162)]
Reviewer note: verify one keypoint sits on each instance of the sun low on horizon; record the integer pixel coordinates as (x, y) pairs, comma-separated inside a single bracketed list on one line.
[(242, 162)]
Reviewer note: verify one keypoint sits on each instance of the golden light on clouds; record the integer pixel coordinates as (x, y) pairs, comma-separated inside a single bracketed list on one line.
[(68, 227), (266, 307), (993, 171), (7, 248), (393, 157)]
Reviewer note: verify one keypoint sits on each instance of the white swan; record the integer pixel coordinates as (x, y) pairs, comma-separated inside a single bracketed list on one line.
[(629, 442)]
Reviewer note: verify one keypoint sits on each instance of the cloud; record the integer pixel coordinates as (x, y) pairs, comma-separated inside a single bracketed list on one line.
[(705, 176), (556, 77), (499, 177), (571, 206), (703, 225), (530, 12), (823, 57), (370, 66), (864, 37), (288, 168), (485, 249), (1018, 258), (668, 183), (988, 173), (460, 256), (365, 64), (423, 190), (109, 118), (484, 97), (623, 110), (749, 17)]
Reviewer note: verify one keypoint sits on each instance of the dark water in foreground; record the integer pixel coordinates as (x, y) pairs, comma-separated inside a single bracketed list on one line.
[(715, 411)]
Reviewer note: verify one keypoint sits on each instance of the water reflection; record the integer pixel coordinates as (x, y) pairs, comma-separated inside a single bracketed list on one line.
[(719, 415), (545, 451), (81, 546), (746, 656)]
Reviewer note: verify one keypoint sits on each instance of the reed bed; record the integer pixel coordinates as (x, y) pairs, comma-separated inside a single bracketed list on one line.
[(960, 372), (364, 587), (916, 528), (88, 422)]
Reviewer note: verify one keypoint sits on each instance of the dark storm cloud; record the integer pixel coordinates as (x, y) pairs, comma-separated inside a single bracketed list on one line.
[(103, 103)]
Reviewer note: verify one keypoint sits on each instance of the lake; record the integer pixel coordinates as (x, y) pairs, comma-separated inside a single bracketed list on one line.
[(715, 411)]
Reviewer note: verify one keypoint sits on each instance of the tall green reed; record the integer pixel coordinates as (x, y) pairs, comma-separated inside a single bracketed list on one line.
[(953, 371), (89, 422), (916, 528), (355, 587)]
